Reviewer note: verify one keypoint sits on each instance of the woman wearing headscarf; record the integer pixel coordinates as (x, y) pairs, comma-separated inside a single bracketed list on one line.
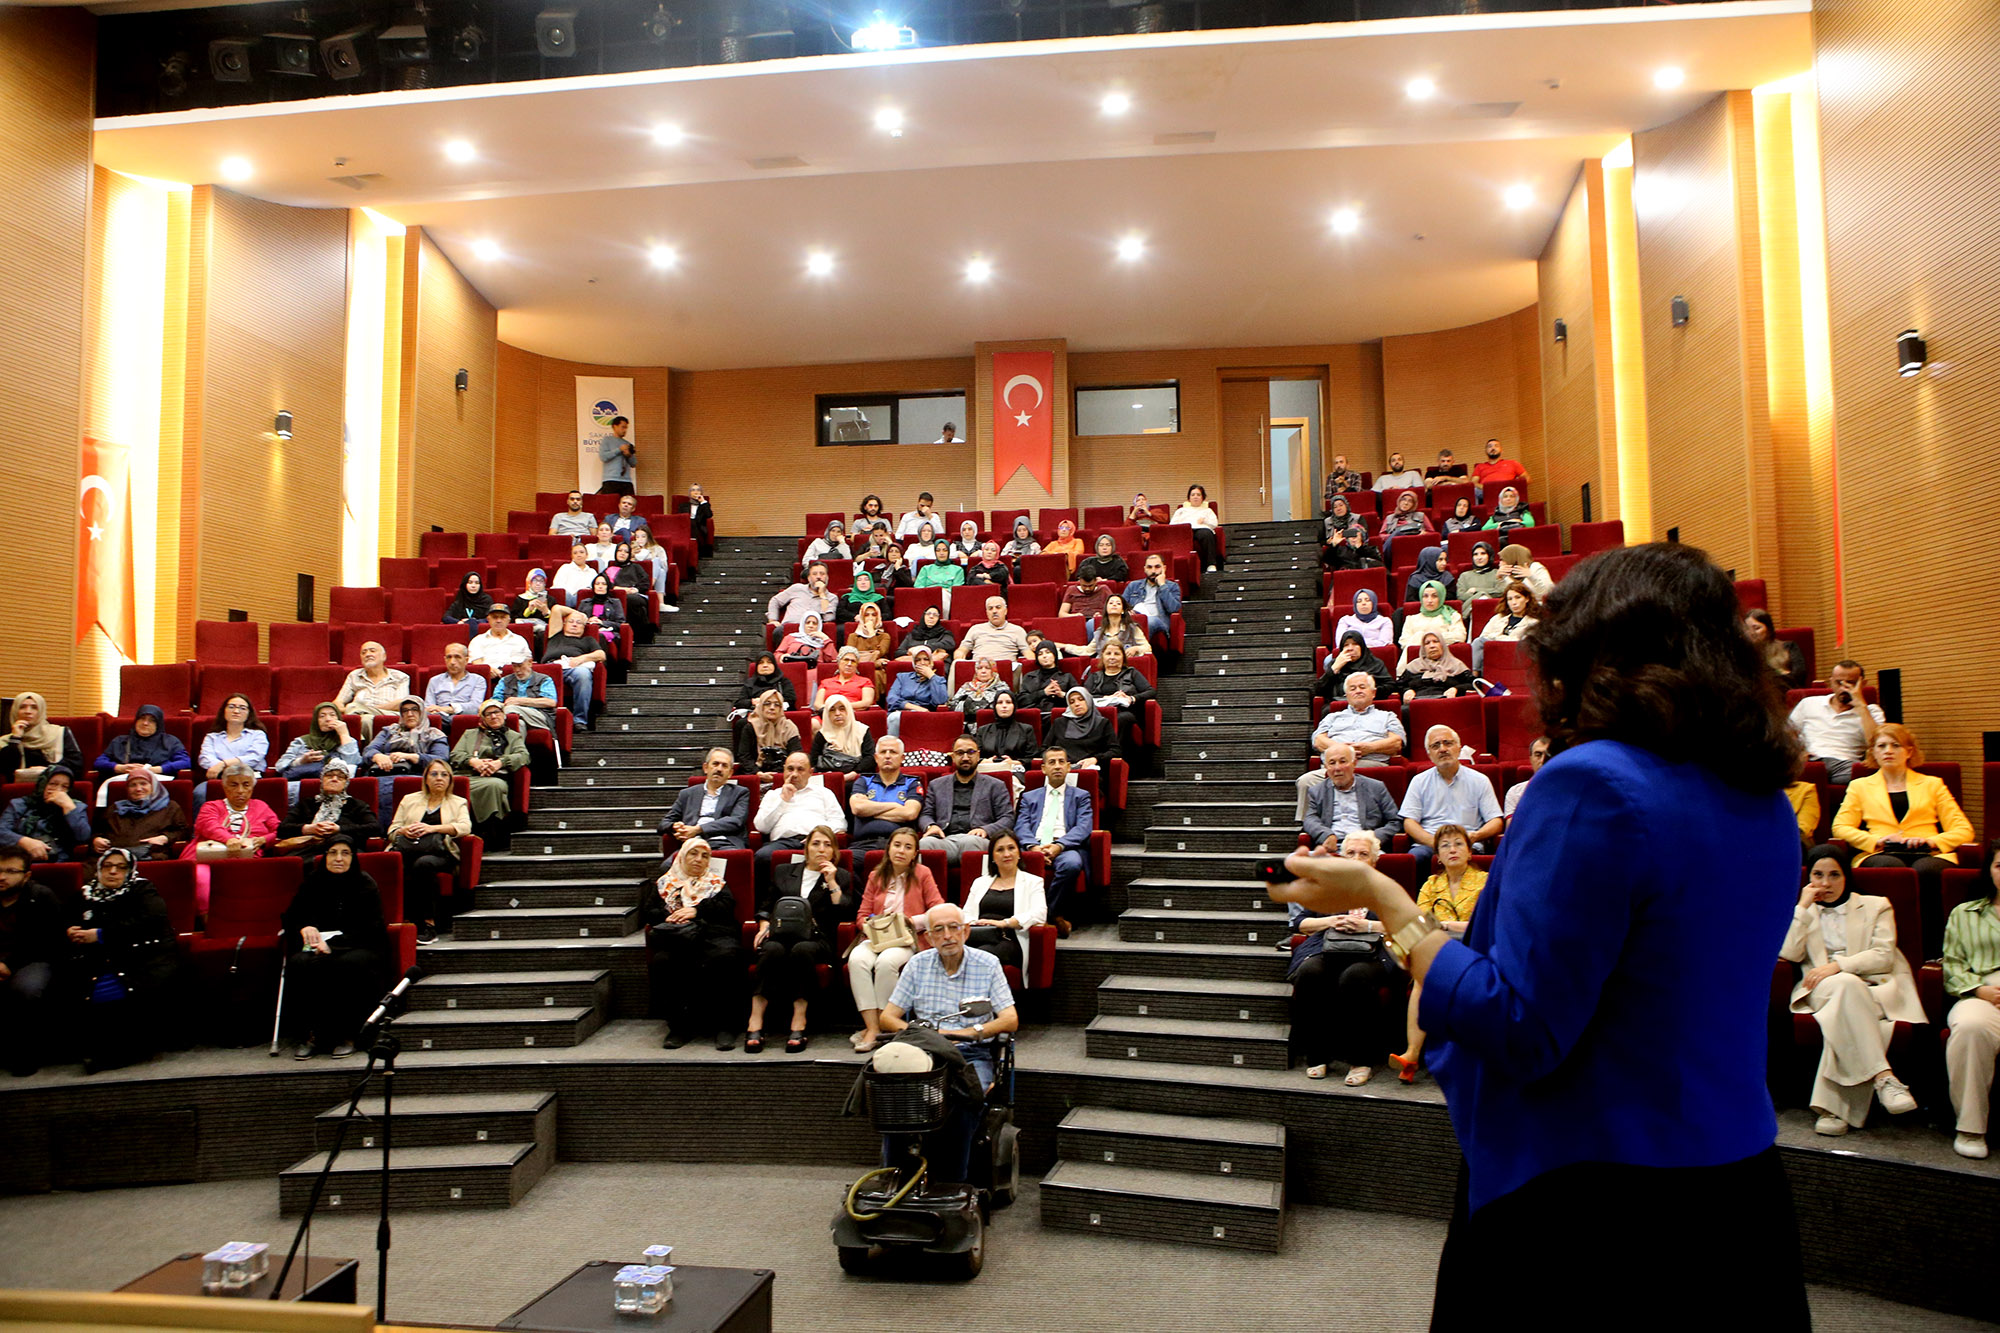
[(146, 746), (604, 609), (830, 545), (531, 606), (1517, 615), (1351, 549), (1350, 655), (1784, 657), (1857, 985), (1367, 621), (1081, 730), (1338, 517), (488, 754), (122, 949), (696, 972), (1405, 520), (34, 743), (1435, 672), (989, 568), (1067, 545), (631, 573), (1107, 564), (51, 824), (965, 549), (1125, 689), (313, 821), (930, 632), (1510, 513), (1008, 741), (471, 604), (403, 749), (867, 638), (764, 677), (807, 643), (841, 744), (336, 952), (1022, 542), (1461, 518), (235, 825), (425, 831), (143, 819), (1431, 615), (308, 755), (765, 736), (980, 689), (863, 593), (1044, 684), (1430, 569), (940, 572), (892, 571), (1482, 578)]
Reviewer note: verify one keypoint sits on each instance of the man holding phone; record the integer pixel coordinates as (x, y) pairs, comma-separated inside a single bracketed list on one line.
[(1837, 728)]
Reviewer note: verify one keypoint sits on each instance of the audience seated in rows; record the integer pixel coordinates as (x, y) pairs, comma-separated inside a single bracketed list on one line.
[(488, 754), (325, 742), (1002, 906), (49, 825), (1375, 734), (1838, 728), (499, 646), (403, 749), (1897, 816), (148, 746), (799, 916), (373, 690)]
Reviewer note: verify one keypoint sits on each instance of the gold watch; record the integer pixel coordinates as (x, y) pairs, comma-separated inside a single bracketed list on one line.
[(1405, 941)]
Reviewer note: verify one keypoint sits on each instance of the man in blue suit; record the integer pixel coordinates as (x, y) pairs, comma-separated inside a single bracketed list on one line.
[(1152, 599), (715, 809), (1059, 830)]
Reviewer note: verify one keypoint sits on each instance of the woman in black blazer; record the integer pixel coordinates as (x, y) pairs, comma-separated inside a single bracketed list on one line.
[(788, 964)]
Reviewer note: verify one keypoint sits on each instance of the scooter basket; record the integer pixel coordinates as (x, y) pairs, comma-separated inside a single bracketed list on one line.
[(907, 1103)]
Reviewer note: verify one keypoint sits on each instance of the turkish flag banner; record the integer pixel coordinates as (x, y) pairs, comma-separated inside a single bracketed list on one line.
[(104, 548), (1024, 417)]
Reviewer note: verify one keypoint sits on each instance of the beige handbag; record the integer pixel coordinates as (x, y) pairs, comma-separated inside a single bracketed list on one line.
[(889, 930)]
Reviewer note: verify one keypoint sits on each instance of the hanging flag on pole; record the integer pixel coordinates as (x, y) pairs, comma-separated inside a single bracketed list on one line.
[(1024, 386), (104, 547)]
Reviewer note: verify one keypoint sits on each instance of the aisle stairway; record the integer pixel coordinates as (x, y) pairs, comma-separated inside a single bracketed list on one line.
[(1194, 974), (550, 948)]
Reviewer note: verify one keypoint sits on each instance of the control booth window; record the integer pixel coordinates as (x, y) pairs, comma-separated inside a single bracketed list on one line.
[(891, 418), (1129, 409)]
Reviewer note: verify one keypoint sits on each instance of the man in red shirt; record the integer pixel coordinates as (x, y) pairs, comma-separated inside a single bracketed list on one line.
[(1496, 472)]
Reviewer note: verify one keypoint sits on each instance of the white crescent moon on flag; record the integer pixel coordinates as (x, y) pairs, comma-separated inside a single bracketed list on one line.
[(93, 483), (1028, 380)]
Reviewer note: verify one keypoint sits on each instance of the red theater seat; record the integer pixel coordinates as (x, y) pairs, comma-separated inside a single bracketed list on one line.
[(170, 685), (441, 545), (307, 643), (219, 682), (300, 689), (1588, 539), (366, 605), (226, 642)]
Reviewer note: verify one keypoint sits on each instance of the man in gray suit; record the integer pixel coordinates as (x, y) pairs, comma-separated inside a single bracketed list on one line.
[(964, 810), (714, 809), (1347, 801)]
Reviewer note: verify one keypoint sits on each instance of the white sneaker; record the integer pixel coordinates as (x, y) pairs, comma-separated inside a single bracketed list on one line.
[(1970, 1145), (1830, 1125), (1894, 1096), (668, 606)]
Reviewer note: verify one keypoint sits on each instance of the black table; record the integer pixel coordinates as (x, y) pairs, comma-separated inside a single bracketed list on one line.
[(706, 1300), (317, 1279)]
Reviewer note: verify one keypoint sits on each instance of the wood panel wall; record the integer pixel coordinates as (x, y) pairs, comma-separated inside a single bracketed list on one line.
[(534, 439), (1456, 388), (1570, 287), (451, 432), (1910, 144), (47, 77)]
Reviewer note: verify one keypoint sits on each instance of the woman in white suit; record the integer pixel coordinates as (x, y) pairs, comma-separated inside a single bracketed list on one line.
[(1857, 984), (1001, 906)]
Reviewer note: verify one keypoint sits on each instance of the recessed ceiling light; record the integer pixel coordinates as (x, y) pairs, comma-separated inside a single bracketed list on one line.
[(1518, 196), (1418, 90), (667, 136), (1115, 104), (978, 270), (1138, 407), (1131, 247), (819, 263), (460, 150), (486, 251), (663, 256), (236, 168), (1345, 222), (1672, 76), (890, 121)]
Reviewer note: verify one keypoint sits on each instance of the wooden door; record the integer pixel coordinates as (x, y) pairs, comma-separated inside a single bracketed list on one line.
[(1246, 451)]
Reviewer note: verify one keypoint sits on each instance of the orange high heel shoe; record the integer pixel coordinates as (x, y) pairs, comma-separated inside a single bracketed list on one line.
[(1406, 1068)]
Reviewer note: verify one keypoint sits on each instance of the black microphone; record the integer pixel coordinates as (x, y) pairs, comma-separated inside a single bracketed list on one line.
[(393, 1000)]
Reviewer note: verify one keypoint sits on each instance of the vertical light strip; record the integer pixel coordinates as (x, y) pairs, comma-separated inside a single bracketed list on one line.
[(1628, 358), (1816, 321), (361, 485), (133, 323)]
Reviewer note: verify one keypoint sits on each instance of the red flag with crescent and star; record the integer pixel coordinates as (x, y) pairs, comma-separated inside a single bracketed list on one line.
[(104, 547), (1024, 388)]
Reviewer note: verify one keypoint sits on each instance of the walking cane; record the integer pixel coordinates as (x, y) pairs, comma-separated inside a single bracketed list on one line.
[(278, 1018)]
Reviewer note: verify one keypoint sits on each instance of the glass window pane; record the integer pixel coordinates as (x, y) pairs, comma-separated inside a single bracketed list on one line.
[(922, 420), (1146, 409)]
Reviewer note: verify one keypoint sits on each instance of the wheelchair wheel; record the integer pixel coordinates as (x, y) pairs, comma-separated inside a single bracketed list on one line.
[(966, 1266), (854, 1259), (1006, 1166)]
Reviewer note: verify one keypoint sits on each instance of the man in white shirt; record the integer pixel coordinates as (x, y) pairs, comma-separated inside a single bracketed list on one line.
[(499, 647), (1450, 793), (996, 638), (576, 576), (1834, 731), (791, 810), (1398, 476), (1375, 734), (457, 690), (573, 521), (914, 521), (1538, 754)]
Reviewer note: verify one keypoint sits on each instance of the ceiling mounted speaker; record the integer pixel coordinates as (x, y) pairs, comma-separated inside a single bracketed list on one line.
[(555, 33), (229, 59)]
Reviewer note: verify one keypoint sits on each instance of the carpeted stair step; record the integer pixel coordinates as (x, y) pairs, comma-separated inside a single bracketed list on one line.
[(644, 815), (1292, 690), (1262, 767), (1262, 815), (1188, 895), (1193, 926), (529, 863), (620, 779), (635, 765), (1199, 1145), (612, 921), (1188, 1041), (1225, 1212), (624, 741), (642, 835), (1245, 725), (445, 1120), (497, 1029), (512, 990), (1205, 999), (517, 894), (1092, 955), (1146, 796), (479, 1175), (1275, 837)]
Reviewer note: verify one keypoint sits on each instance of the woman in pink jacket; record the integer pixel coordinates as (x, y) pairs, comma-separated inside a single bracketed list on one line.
[(900, 885)]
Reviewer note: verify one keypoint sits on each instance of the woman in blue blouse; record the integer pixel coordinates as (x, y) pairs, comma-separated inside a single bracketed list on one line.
[(1599, 1033)]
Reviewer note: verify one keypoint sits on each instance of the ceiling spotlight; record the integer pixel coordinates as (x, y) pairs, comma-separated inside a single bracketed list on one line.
[(1911, 353), (890, 121), (819, 263), (1419, 90), (466, 41), (879, 34), (1131, 247), (1669, 78), (1518, 196), (1115, 104), (658, 25), (668, 136), (663, 256), (555, 33), (236, 168), (978, 270), (485, 251), (460, 150), (1345, 222)]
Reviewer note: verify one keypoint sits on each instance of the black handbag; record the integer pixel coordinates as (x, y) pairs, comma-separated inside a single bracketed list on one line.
[(791, 919)]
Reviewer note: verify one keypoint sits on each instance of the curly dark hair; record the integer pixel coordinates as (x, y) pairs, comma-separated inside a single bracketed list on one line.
[(1643, 644)]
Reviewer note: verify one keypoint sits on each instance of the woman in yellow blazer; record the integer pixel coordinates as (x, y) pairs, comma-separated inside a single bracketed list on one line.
[(1898, 817), (425, 829)]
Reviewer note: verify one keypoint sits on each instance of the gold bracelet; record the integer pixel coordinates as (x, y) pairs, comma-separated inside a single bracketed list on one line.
[(1404, 942)]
